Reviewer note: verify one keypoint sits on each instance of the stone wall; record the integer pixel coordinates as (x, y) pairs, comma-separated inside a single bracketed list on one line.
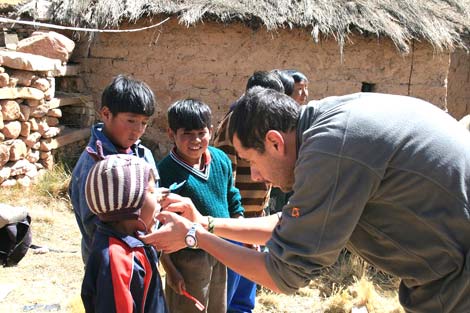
[(458, 97), (212, 62)]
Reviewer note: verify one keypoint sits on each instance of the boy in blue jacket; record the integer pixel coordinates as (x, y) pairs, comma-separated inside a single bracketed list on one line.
[(126, 107)]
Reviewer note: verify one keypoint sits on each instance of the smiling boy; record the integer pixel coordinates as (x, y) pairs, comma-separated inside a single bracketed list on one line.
[(126, 107)]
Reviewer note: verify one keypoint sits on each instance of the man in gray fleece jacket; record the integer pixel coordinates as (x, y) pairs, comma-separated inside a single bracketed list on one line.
[(387, 177)]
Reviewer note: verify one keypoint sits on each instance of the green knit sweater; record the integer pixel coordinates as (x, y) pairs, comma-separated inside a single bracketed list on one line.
[(213, 195)]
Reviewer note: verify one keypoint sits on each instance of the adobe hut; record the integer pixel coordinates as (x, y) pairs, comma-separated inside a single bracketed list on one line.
[(208, 49)]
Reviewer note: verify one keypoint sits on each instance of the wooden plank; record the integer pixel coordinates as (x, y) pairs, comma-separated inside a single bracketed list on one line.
[(74, 99), (69, 136)]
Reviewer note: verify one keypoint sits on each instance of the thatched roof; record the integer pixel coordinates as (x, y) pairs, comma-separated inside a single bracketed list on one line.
[(443, 23)]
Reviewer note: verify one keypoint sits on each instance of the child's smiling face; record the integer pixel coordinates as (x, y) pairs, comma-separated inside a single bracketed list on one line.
[(191, 144)]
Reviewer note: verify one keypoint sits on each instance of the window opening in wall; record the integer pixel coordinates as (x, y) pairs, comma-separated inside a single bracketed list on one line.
[(368, 87)]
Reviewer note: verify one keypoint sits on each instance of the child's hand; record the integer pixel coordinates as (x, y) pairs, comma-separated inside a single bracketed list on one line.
[(176, 282)]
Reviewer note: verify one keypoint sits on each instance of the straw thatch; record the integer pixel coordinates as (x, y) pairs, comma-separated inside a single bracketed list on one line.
[(443, 23)]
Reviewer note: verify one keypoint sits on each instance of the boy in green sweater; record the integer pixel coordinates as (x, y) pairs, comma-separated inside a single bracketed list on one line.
[(209, 183)]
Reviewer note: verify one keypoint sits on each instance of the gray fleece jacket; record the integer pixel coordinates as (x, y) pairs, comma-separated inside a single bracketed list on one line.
[(387, 177)]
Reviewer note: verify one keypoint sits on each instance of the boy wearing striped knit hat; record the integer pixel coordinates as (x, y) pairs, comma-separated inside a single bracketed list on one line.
[(121, 273)]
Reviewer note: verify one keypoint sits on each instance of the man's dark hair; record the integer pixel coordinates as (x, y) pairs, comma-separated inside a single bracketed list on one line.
[(286, 80), (125, 94), (260, 110), (189, 114), (265, 79)]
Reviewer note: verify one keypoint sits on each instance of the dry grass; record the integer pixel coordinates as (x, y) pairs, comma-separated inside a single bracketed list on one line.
[(51, 282)]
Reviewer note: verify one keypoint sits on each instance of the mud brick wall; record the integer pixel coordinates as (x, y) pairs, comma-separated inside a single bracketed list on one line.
[(212, 62)]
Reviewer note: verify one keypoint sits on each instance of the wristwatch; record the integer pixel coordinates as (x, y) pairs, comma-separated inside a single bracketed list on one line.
[(190, 239)]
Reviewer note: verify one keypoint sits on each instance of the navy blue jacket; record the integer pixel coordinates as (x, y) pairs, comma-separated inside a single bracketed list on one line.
[(122, 275)]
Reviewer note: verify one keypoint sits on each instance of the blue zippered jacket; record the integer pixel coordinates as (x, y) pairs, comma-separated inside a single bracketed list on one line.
[(122, 275), (85, 218)]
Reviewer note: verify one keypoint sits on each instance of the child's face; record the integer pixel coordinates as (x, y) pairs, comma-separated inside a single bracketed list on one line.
[(123, 128), (191, 144), (150, 207), (300, 93)]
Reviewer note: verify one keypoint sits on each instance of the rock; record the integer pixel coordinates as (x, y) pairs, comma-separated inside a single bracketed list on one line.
[(4, 154), (51, 132), (12, 129), (25, 129), (49, 44), (41, 84), (25, 78), (33, 156), (18, 150), (52, 121), (34, 103), (54, 113), (34, 124), (8, 183), (4, 79), (10, 110), (48, 162), (28, 62), (4, 173), (25, 112), (21, 92), (32, 139), (20, 167), (39, 111)]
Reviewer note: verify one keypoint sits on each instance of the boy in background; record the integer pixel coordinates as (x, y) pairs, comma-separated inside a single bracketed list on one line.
[(121, 273), (209, 183), (126, 107)]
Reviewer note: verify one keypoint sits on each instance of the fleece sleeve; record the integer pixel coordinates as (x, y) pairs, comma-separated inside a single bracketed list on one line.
[(330, 193)]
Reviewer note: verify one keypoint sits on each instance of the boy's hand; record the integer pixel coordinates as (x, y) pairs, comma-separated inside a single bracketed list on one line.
[(182, 206), (176, 281)]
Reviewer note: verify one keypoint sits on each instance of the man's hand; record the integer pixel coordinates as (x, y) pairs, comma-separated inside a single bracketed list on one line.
[(182, 206), (170, 236)]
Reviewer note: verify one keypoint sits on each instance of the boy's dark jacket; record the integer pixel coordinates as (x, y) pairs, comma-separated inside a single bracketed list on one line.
[(122, 275)]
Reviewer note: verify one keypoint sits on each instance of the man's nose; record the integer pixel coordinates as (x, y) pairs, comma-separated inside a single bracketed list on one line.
[(255, 175)]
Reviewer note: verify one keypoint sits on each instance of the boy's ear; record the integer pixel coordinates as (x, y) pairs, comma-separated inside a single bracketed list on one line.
[(171, 134), (105, 114)]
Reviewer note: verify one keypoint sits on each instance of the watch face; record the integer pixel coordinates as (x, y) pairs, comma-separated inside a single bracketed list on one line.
[(190, 241)]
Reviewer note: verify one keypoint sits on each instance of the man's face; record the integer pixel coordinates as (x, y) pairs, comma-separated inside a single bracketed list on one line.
[(273, 166), (124, 128)]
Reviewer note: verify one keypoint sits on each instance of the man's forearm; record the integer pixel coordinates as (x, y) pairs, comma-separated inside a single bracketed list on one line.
[(247, 262), (255, 230)]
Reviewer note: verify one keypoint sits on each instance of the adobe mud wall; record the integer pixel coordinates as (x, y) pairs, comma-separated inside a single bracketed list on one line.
[(458, 94), (212, 62)]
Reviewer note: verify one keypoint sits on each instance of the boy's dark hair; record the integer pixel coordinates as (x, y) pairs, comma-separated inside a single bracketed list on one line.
[(189, 114), (297, 76), (265, 79), (125, 94), (286, 80), (260, 110)]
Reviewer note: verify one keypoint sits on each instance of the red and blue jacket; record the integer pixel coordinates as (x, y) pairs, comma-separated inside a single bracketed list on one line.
[(121, 275)]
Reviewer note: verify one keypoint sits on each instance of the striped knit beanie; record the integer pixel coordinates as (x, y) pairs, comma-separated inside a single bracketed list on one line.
[(116, 186)]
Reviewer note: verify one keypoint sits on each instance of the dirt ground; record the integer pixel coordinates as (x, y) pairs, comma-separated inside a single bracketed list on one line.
[(46, 282), (51, 281)]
